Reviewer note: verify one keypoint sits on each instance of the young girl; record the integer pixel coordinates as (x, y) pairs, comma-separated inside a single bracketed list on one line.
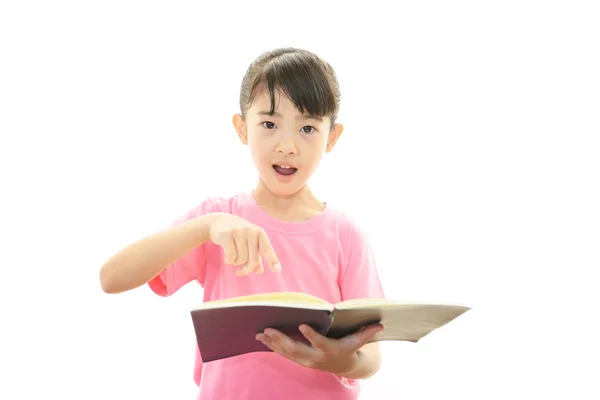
[(279, 237)]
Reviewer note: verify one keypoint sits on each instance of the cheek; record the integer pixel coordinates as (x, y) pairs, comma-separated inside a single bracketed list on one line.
[(257, 151), (316, 145), (318, 140), (314, 151)]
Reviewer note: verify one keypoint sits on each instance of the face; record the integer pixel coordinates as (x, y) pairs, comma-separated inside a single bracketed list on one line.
[(286, 147)]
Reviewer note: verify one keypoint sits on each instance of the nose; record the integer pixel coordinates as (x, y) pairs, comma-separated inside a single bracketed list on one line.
[(286, 144)]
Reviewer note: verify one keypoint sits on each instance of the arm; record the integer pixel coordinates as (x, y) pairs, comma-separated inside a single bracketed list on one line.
[(141, 261), (363, 365), (171, 258)]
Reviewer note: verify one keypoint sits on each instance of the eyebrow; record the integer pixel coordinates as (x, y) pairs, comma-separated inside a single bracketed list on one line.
[(302, 116)]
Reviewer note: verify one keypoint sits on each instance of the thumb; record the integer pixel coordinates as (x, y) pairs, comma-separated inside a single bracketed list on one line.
[(268, 253), (358, 339)]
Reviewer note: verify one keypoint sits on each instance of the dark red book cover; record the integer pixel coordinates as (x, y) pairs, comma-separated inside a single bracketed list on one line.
[(227, 332)]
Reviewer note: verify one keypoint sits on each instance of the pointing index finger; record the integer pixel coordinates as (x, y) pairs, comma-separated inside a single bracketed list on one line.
[(268, 253)]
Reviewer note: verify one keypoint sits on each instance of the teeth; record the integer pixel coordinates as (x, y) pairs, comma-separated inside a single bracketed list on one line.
[(283, 166)]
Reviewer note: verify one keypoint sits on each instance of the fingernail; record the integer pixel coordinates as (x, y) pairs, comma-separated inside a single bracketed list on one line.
[(240, 271), (277, 267)]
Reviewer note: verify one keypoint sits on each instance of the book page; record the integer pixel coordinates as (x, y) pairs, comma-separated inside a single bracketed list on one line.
[(409, 322), (275, 299), (384, 303), (358, 303)]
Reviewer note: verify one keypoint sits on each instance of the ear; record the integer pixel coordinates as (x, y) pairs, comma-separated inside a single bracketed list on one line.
[(240, 128), (334, 135)]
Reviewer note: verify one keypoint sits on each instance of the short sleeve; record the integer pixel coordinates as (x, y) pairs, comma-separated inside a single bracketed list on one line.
[(360, 279), (190, 267)]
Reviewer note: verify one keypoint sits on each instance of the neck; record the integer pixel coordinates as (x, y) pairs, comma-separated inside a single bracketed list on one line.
[(299, 206)]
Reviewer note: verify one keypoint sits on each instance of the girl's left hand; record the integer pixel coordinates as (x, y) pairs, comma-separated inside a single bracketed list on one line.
[(337, 356)]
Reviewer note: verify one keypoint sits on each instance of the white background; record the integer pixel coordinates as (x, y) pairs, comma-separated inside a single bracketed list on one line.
[(470, 156)]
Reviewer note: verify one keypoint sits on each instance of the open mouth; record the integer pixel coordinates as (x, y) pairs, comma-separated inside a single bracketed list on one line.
[(284, 170)]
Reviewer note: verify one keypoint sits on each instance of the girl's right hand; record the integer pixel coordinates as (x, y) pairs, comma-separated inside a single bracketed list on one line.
[(243, 243)]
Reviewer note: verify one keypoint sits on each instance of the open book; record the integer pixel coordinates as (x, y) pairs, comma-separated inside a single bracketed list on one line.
[(227, 328)]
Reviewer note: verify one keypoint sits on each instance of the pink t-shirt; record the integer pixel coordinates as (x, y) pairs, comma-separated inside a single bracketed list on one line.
[(327, 257)]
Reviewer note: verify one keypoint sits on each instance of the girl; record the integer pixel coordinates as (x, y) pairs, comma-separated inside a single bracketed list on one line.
[(289, 101)]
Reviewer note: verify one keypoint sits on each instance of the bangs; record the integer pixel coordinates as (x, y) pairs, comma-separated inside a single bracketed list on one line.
[(303, 79)]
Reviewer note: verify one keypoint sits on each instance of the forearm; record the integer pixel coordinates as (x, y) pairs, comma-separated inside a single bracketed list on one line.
[(364, 364), (144, 259), (368, 361)]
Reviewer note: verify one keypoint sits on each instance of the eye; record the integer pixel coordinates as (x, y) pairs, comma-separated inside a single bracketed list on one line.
[(268, 125), (308, 129)]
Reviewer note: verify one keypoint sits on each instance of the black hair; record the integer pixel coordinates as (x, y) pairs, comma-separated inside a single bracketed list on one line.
[(308, 81)]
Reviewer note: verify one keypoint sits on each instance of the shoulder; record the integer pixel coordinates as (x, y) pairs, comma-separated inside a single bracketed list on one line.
[(350, 231)]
